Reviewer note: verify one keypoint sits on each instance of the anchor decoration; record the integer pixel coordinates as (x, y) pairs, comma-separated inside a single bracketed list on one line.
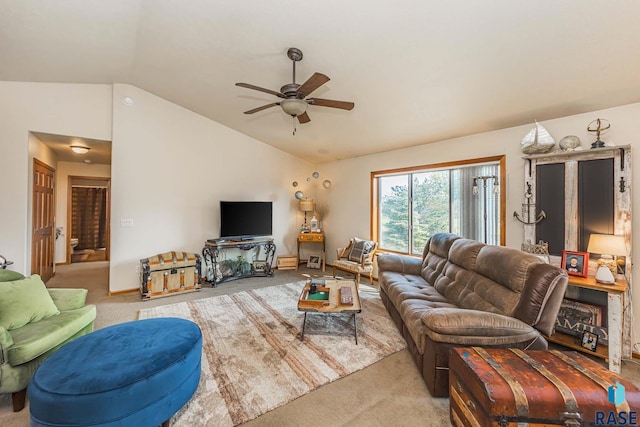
[(528, 209)]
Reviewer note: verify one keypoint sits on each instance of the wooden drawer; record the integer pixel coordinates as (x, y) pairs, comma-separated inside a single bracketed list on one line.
[(310, 237)]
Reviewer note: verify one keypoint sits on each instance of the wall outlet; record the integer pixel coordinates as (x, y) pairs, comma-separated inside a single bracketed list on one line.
[(137, 269), (126, 222)]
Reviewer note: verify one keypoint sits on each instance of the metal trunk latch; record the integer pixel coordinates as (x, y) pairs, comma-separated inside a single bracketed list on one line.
[(571, 419)]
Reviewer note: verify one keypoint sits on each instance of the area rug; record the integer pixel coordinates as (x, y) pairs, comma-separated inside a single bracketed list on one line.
[(253, 360)]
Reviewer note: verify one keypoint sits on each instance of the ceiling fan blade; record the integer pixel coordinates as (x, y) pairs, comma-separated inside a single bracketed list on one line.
[(313, 83), (264, 107), (261, 89), (303, 118), (343, 105)]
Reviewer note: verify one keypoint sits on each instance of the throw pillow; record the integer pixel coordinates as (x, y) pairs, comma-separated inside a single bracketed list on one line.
[(25, 301), (360, 249), (9, 275)]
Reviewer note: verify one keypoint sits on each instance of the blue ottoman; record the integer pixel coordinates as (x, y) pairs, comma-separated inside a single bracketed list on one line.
[(133, 374)]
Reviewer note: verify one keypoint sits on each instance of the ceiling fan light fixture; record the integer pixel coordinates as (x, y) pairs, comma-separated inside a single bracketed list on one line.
[(293, 107), (80, 149)]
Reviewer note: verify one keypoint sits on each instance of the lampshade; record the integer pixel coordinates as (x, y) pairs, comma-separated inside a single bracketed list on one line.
[(607, 244), (307, 205), (80, 149), (293, 107)]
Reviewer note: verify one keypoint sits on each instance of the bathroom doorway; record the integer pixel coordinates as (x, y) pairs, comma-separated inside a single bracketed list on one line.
[(88, 219)]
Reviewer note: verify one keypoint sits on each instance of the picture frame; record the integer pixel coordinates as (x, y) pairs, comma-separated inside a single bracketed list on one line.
[(589, 341), (575, 263), (259, 268), (314, 261)]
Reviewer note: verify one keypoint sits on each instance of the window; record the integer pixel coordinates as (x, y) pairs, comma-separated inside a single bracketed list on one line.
[(465, 198)]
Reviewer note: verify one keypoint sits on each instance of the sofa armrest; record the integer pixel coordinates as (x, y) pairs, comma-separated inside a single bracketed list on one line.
[(68, 299), (473, 323), (6, 342), (399, 263)]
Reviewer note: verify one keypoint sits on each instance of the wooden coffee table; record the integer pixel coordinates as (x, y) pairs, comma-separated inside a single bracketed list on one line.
[(332, 304)]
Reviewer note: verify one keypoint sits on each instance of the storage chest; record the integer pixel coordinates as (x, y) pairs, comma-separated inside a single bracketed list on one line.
[(169, 273), (511, 387)]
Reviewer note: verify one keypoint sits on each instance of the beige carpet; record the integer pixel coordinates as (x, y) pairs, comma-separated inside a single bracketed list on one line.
[(253, 360), (390, 392)]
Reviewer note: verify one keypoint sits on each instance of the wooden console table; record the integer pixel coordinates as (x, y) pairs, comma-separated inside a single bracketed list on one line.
[(220, 268), (313, 238), (619, 328)]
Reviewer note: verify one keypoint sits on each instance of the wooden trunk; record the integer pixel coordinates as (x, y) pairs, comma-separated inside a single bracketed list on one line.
[(511, 387), (169, 273)]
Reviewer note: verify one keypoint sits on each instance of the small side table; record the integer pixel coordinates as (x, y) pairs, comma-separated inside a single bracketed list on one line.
[(317, 238), (619, 327)]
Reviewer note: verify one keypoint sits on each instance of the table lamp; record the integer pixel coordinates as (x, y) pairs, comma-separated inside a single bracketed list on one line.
[(608, 246), (306, 205)]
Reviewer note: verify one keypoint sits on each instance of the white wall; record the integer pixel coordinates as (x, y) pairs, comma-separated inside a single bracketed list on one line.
[(349, 196), (64, 170), (65, 109), (170, 169)]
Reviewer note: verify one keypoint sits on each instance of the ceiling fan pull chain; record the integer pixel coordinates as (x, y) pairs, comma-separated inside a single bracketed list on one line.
[(294, 125)]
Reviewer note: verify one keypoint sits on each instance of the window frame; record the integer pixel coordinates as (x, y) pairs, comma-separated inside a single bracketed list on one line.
[(374, 202)]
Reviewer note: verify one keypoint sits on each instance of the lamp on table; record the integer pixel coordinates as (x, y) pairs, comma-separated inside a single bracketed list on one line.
[(306, 205), (608, 246)]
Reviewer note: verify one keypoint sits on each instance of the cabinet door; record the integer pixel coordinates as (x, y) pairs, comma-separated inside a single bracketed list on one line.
[(550, 199), (596, 202), (579, 197)]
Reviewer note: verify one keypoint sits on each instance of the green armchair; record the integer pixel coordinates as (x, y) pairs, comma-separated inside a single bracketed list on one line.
[(35, 322)]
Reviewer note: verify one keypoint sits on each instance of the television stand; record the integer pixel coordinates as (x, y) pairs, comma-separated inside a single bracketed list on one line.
[(250, 257)]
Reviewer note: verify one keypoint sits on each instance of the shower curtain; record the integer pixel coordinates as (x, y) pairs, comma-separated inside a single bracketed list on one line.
[(89, 217)]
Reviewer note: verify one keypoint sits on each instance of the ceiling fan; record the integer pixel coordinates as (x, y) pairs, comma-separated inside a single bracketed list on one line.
[(294, 96)]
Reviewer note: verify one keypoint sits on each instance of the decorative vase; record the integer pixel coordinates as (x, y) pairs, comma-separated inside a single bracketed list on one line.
[(314, 224)]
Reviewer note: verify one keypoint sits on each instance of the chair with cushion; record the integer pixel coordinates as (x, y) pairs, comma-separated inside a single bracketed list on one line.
[(34, 323), (356, 258)]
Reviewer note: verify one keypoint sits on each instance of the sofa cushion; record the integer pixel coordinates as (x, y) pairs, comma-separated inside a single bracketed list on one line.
[(9, 275), (435, 255), (537, 301), (464, 252), (351, 266), (411, 311), (389, 279), (474, 327), (24, 301), (507, 266), (36, 338), (360, 249)]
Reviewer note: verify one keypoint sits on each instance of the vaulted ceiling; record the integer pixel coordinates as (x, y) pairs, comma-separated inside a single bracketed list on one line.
[(418, 71)]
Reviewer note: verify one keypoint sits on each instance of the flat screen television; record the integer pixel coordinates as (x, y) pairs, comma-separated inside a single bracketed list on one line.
[(243, 220)]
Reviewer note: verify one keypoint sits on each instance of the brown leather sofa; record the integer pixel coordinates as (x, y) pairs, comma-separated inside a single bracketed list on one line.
[(465, 293)]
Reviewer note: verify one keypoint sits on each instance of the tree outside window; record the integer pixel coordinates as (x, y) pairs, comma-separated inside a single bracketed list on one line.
[(411, 206)]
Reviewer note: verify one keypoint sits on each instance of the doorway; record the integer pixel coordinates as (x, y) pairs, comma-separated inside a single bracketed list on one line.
[(88, 219), (43, 219)]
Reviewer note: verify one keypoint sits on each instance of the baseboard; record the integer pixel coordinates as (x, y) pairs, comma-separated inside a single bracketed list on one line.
[(126, 291), (635, 355), (61, 263)]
